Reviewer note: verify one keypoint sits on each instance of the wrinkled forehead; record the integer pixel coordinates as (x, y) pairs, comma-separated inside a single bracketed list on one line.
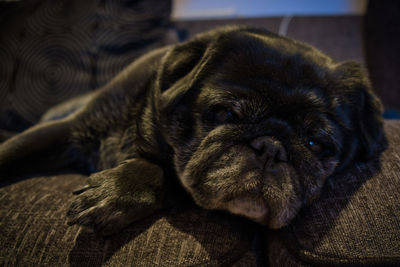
[(267, 99)]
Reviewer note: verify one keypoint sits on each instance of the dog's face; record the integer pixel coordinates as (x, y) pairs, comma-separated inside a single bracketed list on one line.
[(258, 122)]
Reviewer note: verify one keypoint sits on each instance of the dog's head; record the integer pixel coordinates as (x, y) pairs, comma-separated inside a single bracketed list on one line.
[(257, 122)]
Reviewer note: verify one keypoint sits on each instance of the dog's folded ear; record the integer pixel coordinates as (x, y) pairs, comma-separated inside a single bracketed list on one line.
[(370, 125), (367, 111), (180, 68)]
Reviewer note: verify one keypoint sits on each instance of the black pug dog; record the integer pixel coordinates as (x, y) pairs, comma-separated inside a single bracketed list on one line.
[(247, 121)]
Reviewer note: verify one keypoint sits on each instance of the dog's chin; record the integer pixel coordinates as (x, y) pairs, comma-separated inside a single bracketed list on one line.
[(258, 211), (254, 209), (269, 204)]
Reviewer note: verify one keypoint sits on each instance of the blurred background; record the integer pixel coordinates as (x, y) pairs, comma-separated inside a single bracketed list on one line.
[(53, 50)]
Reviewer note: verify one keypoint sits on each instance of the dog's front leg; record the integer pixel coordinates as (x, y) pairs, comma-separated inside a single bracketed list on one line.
[(116, 197)]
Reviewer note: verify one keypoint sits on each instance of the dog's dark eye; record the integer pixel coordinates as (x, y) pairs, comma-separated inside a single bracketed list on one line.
[(319, 149), (314, 146), (224, 116), (219, 115)]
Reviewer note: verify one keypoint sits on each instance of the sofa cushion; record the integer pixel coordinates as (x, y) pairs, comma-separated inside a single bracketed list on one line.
[(51, 51), (33, 232), (356, 220)]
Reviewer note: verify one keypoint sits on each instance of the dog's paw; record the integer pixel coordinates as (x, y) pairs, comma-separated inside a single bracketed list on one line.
[(107, 204)]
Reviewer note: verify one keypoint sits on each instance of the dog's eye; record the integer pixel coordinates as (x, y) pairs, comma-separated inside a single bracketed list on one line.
[(314, 146), (224, 116), (220, 115), (319, 149)]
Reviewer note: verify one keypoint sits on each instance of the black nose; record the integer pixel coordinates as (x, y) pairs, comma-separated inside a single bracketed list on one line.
[(269, 150)]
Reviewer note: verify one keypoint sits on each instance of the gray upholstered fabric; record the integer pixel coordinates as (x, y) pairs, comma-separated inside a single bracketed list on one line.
[(357, 219), (33, 232)]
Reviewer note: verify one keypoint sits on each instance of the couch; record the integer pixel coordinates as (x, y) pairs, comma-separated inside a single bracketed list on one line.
[(355, 222)]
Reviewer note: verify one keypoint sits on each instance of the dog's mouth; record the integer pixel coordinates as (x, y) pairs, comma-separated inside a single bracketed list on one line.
[(271, 200)]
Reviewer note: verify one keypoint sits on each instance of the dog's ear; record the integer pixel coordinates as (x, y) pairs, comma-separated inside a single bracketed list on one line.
[(370, 125), (366, 109), (180, 68)]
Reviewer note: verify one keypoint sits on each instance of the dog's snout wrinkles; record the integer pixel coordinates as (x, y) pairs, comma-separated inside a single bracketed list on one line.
[(269, 150)]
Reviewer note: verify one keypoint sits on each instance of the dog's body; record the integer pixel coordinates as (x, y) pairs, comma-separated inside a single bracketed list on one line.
[(248, 121)]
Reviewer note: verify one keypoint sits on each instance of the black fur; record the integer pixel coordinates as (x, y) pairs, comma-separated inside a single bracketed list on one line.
[(246, 120)]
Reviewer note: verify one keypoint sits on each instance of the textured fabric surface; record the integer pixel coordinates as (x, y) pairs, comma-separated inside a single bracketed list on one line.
[(357, 219), (33, 232), (51, 50)]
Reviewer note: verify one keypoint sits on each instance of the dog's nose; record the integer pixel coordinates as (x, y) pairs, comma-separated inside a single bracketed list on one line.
[(269, 150)]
